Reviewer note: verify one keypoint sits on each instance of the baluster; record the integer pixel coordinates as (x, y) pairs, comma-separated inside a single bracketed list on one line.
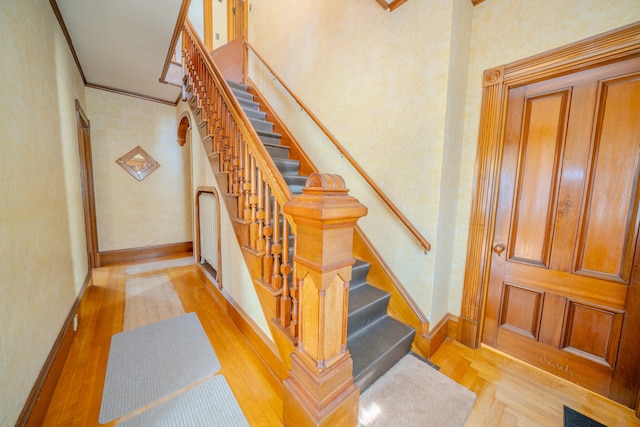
[(246, 209), (226, 131), (241, 178), (285, 269), (237, 183), (293, 327), (232, 155), (260, 212), (276, 248), (253, 227), (267, 264)]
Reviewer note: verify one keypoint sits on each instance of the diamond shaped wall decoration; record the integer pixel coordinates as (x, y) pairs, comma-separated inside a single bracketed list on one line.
[(138, 163)]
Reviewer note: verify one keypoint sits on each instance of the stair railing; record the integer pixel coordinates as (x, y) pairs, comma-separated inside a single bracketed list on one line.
[(259, 191), (405, 221)]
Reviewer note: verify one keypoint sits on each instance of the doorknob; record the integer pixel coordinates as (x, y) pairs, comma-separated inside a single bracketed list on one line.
[(498, 249)]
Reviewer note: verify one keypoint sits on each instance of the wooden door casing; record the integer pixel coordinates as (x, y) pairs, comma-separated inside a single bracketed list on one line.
[(609, 48), (567, 214)]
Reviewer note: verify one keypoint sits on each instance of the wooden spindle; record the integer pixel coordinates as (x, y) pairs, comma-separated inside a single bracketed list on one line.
[(285, 269), (241, 178), (267, 264), (293, 327), (246, 209), (276, 248), (260, 215), (253, 201)]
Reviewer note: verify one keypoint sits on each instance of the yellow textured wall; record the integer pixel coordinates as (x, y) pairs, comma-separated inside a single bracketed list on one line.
[(401, 91), (132, 213), (42, 243), (219, 22), (236, 281), (379, 81), (505, 31)]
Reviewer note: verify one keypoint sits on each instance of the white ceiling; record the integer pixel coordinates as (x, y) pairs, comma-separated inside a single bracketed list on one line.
[(123, 44)]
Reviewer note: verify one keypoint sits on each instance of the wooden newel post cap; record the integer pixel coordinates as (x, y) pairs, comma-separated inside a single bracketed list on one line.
[(325, 200)]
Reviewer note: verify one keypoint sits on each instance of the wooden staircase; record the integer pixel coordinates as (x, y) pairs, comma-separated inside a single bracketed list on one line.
[(259, 169), (376, 341)]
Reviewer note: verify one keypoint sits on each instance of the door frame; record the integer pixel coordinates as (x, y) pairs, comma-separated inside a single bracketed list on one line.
[(88, 193), (614, 46), (617, 45)]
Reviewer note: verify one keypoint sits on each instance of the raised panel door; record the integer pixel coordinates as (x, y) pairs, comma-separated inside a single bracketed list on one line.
[(567, 223)]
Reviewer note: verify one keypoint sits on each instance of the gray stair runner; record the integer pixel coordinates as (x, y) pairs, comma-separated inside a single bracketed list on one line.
[(375, 340)]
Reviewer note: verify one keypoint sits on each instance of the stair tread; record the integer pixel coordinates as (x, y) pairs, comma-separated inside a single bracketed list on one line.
[(239, 93), (239, 86), (248, 104), (268, 133), (363, 296), (384, 339), (359, 273)]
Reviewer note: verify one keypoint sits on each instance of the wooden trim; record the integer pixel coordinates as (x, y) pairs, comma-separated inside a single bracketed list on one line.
[(613, 46), (136, 254), (231, 24), (65, 31), (184, 125), (208, 24), (88, 193), (133, 94), (396, 4), (428, 343), (197, 245), (425, 244), (262, 345), (37, 403), (392, 5), (182, 15)]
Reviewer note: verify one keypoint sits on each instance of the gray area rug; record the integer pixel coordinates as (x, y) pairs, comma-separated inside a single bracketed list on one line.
[(210, 403), (150, 362), (413, 393)]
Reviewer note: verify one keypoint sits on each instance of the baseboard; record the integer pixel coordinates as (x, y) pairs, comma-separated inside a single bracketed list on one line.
[(429, 343), (37, 403), (136, 254), (255, 336)]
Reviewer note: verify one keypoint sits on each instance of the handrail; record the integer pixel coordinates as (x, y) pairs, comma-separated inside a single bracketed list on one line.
[(425, 244), (182, 16)]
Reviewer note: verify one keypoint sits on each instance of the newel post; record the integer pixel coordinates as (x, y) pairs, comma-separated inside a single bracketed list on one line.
[(320, 390)]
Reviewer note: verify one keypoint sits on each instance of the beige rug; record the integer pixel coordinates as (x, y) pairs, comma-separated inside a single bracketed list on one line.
[(149, 299), (413, 393)]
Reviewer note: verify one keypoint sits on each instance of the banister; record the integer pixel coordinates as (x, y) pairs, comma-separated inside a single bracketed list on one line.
[(278, 185), (182, 16), (405, 221)]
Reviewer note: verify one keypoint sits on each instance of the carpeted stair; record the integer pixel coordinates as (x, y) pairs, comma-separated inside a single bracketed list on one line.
[(376, 341)]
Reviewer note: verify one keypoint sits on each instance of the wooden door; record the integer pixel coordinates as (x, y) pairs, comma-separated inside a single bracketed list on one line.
[(566, 230), (239, 18), (88, 194)]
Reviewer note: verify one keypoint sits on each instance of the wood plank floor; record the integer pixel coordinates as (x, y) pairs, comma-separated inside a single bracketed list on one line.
[(78, 395), (510, 393)]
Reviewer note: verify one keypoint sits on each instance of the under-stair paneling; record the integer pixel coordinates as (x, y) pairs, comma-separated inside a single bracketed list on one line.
[(238, 286)]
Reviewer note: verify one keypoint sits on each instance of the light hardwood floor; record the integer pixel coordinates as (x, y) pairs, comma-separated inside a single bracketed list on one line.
[(510, 393)]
